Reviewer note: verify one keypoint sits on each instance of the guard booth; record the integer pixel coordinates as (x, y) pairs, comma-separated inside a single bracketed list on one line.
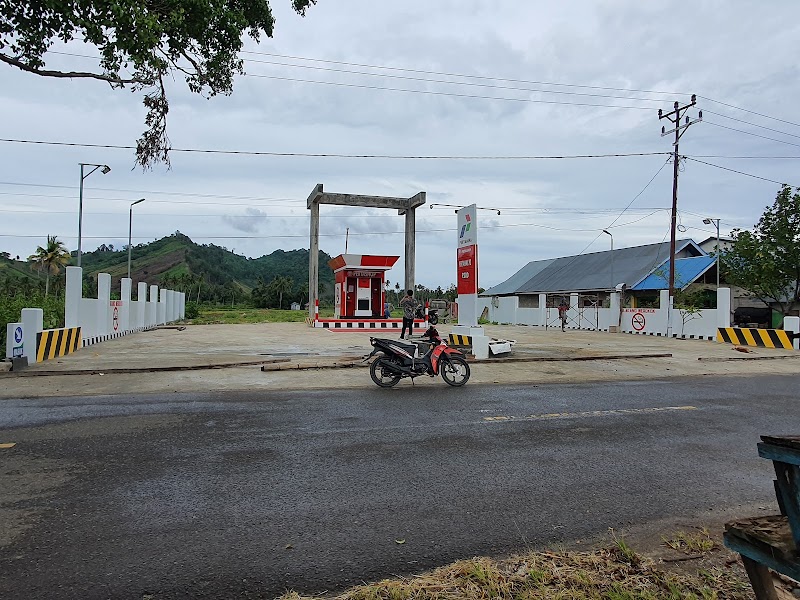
[(359, 289)]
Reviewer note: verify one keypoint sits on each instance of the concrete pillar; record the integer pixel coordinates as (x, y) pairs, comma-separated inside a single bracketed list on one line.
[(543, 310), (723, 307), (141, 304), (162, 307), (313, 259), (103, 301), (167, 305), (152, 306), (614, 312), (665, 304), (182, 311), (32, 324), (171, 294), (480, 346), (125, 317), (73, 296), (793, 324), (410, 250)]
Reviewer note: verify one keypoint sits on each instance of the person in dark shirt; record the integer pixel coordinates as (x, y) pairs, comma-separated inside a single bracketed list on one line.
[(408, 304)]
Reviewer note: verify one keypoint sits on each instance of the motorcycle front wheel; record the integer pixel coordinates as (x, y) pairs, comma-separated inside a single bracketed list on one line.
[(382, 374), (455, 371), (433, 319)]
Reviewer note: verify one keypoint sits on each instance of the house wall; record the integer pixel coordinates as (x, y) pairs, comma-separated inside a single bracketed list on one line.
[(641, 321)]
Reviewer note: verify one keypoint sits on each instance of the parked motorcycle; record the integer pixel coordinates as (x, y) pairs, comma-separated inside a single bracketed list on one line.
[(433, 316), (397, 360)]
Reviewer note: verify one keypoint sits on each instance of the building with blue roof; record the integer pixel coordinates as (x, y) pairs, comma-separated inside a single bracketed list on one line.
[(644, 270)]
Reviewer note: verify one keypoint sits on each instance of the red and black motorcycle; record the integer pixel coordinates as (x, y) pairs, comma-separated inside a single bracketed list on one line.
[(397, 360)]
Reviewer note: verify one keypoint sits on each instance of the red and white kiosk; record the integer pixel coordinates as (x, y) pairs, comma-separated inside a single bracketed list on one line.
[(359, 289), (359, 293)]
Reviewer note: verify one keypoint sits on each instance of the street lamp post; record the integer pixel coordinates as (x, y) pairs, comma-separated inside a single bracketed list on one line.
[(716, 222), (130, 230), (103, 169), (612, 257)]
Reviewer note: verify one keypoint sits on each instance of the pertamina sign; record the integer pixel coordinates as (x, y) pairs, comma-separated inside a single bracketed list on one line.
[(467, 254)]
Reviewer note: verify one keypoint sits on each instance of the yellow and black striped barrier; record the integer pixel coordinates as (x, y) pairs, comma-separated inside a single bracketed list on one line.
[(53, 343), (746, 336), (460, 340)]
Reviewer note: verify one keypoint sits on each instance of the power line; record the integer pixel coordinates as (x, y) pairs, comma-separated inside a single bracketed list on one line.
[(589, 245), (735, 171), (710, 112), (442, 81), (450, 94), (465, 76), (321, 155), (420, 79), (750, 133), (752, 112)]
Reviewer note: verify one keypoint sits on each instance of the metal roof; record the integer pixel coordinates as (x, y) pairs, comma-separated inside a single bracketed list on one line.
[(686, 271), (591, 272)]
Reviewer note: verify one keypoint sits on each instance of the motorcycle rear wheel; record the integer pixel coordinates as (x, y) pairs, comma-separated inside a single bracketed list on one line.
[(382, 375), (433, 319), (455, 371)]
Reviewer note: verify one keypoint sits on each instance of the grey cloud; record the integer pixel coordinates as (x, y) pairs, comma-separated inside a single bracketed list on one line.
[(250, 222)]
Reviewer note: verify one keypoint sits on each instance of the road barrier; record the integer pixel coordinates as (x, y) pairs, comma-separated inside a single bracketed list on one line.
[(460, 340), (747, 336), (52, 343)]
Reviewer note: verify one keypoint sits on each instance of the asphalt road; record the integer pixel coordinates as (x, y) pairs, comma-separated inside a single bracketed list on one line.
[(248, 494)]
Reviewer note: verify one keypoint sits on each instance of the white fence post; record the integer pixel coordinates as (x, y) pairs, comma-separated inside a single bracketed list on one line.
[(723, 307), (141, 304), (72, 297), (32, 324), (665, 305), (542, 310), (125, 312), (152, 306), (182, 311), (103, 299), (162, 307), (792, 324), (614, 313)]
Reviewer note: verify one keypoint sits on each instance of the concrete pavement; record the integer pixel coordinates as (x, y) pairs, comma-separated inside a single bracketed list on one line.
[(225, 357)]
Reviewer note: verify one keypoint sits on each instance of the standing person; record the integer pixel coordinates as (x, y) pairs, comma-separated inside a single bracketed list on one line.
[(562, 314), (387, 310), (408, 304)]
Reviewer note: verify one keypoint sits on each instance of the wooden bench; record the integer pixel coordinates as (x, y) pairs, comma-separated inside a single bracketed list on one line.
[(772, 542)]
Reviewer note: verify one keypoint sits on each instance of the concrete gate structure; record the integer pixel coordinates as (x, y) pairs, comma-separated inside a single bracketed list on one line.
[(404, 206)]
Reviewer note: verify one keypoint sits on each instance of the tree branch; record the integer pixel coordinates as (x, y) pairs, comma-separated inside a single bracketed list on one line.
[(66, 74)]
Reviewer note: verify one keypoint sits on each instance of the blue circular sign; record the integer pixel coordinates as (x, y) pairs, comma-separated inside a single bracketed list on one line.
[(18, 335)]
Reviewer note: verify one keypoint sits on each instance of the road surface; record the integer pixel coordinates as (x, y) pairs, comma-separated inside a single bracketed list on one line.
[(250, 493)]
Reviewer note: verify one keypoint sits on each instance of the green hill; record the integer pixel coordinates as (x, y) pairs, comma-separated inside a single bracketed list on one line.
[(213, 272)]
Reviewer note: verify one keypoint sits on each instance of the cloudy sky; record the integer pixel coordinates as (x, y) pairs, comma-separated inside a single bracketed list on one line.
[(502, 80)]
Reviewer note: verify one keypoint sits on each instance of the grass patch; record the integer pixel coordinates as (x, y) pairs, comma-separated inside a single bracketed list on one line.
[(237, 315), (698, 542), (233, 315), (614, 573)]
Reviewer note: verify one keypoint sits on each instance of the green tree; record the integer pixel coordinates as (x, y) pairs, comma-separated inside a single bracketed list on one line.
[(766, 260), (152, 41), (50, 259), (279, 286)]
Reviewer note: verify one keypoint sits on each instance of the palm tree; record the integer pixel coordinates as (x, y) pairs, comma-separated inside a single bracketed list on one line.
[(281, 285), (50, 258)]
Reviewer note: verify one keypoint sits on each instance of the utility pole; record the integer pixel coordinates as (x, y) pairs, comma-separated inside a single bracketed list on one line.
[(677, 115)]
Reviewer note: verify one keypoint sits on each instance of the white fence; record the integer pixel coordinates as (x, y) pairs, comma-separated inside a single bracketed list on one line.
[(102, 318), (663, 321)]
